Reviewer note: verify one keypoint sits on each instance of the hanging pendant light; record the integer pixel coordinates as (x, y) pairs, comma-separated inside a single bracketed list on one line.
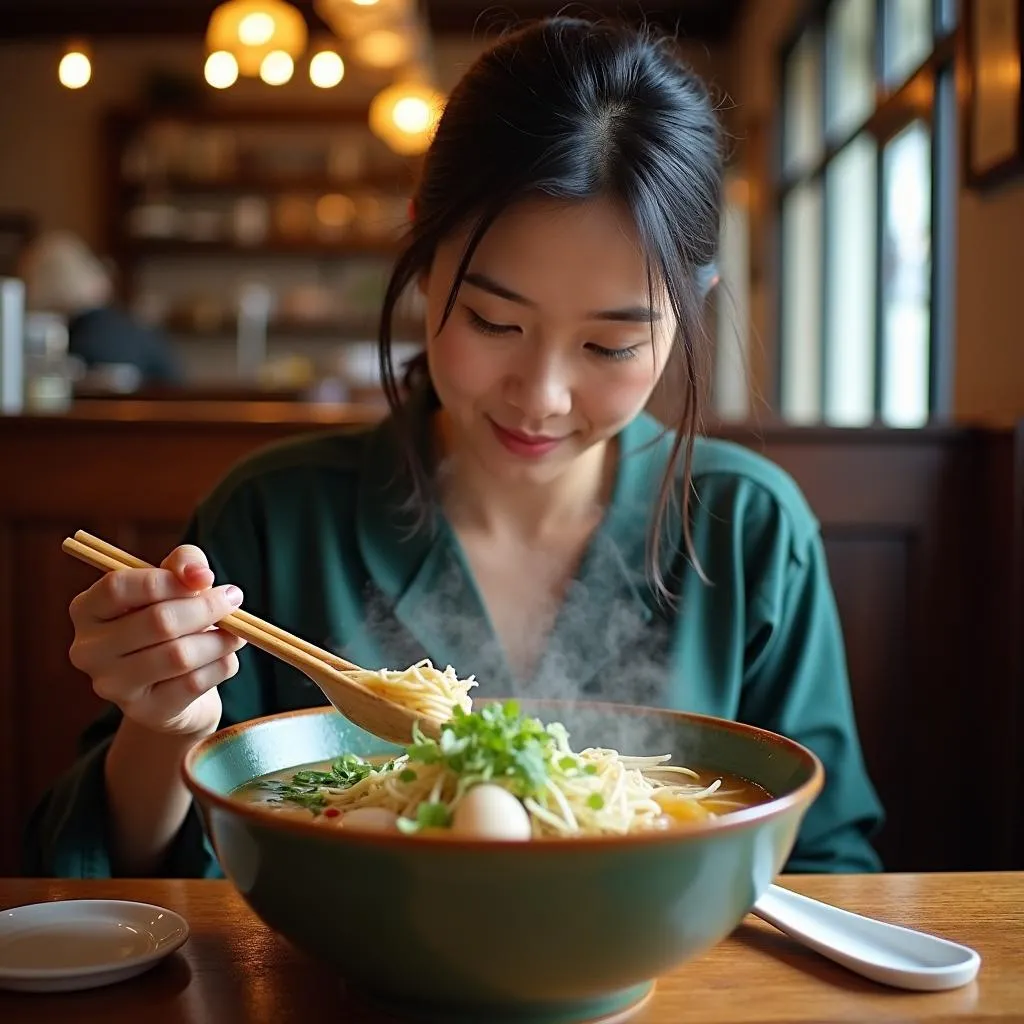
[(352, 19), (326, 69), (277, 68), (405, 116), (75, 68), (221, 69), (251, 30), (384, 48)]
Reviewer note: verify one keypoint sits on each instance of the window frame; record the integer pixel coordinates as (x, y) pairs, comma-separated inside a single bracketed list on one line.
[(928, 94)]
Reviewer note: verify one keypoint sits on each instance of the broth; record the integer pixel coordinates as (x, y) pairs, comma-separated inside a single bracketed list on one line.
[(733, 794)]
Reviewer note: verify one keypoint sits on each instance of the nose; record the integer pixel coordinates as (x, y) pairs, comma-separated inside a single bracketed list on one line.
[(540, 388)]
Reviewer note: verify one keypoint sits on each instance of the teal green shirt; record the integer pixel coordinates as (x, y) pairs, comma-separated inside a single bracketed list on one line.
[(319, 536)]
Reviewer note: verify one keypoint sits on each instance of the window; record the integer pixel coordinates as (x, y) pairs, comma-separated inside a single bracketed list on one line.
[(802, 92), (850, 182), (906, 38), (906, 276), (731, 302), (865, 201), (851, 67), (801, 300)]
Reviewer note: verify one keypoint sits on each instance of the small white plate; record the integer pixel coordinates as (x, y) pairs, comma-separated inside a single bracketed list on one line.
[(75, 944)]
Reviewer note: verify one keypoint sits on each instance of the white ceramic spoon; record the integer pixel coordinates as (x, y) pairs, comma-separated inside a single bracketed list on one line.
[(886, 953)]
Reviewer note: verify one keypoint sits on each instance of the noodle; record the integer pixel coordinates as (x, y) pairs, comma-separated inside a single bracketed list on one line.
[(421, 688)]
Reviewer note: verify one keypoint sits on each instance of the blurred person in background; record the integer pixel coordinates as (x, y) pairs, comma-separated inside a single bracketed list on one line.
[(63, 276)]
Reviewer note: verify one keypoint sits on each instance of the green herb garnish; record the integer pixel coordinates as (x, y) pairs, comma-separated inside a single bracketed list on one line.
[(497, 742), (306, 785), (428, 815), (595, 801), (304, 795)]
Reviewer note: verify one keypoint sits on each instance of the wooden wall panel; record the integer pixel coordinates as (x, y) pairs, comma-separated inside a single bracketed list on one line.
[(52, 698), (9, 809), (994, 585), (870, 575), (1014, 840)]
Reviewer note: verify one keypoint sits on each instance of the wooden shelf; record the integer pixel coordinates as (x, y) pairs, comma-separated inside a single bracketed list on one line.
[(139, 167), (143, 247), (397, 181), (339, 330)]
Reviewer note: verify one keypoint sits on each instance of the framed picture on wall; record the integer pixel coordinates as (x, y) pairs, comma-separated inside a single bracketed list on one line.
[(995, 114)]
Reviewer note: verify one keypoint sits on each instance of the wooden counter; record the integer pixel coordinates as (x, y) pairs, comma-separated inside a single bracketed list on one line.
[(234, 969), (924, 531)]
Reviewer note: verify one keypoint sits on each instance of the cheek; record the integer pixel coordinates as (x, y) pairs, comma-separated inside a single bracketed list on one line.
[(624, 389), (462, 363)]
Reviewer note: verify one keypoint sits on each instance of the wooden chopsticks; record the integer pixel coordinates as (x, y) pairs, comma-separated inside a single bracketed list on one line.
[(276, 641)]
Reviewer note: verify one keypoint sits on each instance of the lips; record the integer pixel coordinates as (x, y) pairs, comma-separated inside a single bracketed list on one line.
[(528, 445), (528, 438)]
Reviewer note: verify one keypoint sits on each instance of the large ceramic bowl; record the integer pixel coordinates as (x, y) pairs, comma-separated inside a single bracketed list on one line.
[(555, 931)]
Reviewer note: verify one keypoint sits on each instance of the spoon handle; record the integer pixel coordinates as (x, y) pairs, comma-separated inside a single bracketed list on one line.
[(887, 953)]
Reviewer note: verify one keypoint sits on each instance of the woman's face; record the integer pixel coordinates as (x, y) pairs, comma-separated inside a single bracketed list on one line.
[(553, 345)]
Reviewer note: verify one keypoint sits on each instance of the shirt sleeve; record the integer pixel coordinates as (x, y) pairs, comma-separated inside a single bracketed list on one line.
[(796, 683), (68, 834)]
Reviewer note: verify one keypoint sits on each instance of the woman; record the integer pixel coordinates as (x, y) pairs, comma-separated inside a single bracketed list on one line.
[(517, 516)]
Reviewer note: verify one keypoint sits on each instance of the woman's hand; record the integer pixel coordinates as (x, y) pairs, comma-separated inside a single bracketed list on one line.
[(146, 638)]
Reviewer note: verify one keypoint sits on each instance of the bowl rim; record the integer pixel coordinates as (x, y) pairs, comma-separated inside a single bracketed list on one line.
[(776, 807)]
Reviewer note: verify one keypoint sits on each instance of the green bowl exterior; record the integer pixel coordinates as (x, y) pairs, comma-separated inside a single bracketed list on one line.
[(502, 926)]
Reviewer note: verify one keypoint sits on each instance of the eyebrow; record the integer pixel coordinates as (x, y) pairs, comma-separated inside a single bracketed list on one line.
[(629, 314)]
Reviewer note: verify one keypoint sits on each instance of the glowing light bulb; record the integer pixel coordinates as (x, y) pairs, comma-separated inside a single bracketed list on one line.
[(75, 70), (405, 116), (326, 69), (412, 115), (277, 68), (256, 29), (221, 70)]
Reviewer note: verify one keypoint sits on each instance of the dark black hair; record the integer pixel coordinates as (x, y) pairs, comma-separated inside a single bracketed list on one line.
[(574, 110)]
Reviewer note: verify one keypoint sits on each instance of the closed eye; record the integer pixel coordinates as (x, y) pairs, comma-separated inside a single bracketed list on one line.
[(487, 327), (614, 354)]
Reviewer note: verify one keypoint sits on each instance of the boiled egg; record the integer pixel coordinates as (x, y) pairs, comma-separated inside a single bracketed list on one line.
[(491, 812), (370, 819)]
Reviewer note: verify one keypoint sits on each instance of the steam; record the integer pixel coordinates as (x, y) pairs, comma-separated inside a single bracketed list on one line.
[(599, 644)]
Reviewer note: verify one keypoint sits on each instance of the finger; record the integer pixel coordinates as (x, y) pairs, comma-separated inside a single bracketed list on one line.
[(130, 678), (170, 699), (170, 620), (190, 565), (99, 646), (124, 590)]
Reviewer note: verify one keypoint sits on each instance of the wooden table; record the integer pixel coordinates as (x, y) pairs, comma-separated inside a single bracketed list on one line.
[(234, 969)]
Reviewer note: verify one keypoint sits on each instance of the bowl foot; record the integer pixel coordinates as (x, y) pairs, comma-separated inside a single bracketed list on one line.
[(614, 1008)]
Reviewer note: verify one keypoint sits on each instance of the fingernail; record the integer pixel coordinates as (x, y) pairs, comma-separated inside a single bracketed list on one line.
[(234, 595)]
